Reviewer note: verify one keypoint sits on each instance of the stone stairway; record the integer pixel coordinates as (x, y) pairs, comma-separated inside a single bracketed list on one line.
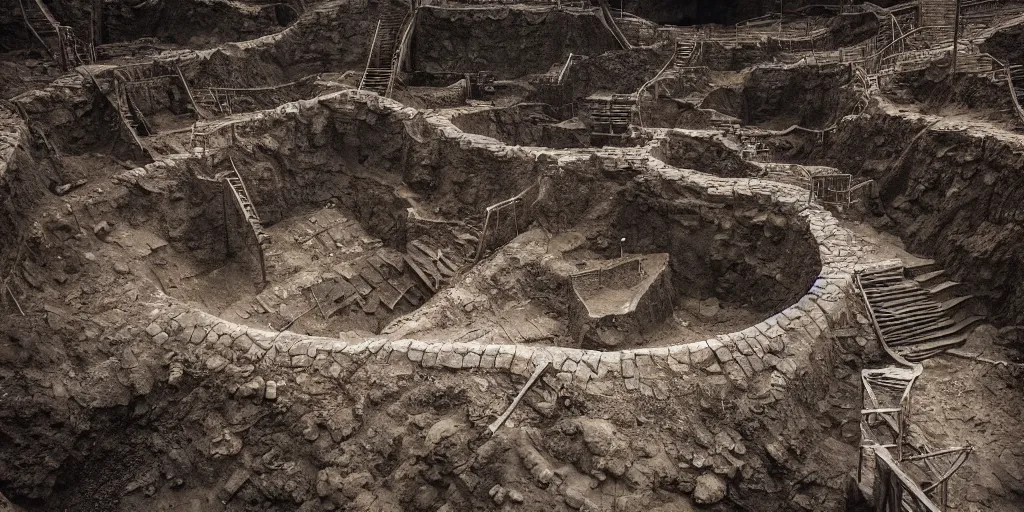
[(918, 313), (378, 74), (684, 53)]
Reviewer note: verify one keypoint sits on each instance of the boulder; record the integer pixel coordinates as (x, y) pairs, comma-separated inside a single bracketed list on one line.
[(710, 489)]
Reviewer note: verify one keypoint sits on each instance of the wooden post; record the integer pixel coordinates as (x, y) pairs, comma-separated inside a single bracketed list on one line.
[(956, 38), (97, 24), (227, 229)]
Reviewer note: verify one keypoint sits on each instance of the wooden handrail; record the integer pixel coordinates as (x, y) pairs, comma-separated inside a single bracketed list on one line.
[(639, 92), (369, 58), (565, 68), (609, 21), (24, 15)]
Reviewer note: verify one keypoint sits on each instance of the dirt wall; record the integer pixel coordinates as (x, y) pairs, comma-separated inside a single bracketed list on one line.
[(334, 39), (742, 253), (820, 95), (952, 195), (525, 126), (190, 23), (933, 92), (76, 118), (508, 42)]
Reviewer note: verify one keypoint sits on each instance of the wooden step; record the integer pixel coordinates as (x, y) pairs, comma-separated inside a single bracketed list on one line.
[(922, 351), (928, 276), (945, 289), (934, 334)]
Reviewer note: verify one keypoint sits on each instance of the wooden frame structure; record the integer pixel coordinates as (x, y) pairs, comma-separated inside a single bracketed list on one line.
[(131, 79), (492, 216), (595, 276), (892, 415), (894, 490)]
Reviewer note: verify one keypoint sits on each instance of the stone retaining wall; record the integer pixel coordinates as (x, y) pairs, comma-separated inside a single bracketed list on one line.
[(762, 360)]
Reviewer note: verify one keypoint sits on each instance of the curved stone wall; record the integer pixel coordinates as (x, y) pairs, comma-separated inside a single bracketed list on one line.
[(766, 357)]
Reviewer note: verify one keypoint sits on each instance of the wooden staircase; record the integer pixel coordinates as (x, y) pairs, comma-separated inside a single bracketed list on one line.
[(380, 68), (130, 112), (684, 53), (917, 313), (58, 40), (1017, 79), (613, 116)]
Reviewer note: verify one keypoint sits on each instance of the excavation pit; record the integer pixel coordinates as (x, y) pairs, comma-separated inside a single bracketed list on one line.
[(610, 299), (662, 326)]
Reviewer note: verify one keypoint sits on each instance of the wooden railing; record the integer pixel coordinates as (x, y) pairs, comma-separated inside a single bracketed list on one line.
[(609, 20), (652, 81), (373, 49), (70, 50)]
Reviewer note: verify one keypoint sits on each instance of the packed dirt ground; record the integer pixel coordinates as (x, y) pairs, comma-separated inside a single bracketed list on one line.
[(445, 256)]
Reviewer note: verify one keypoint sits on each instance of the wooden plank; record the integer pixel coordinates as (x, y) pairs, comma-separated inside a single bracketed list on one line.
[(370, 274), (361, 286), (908, 312), (940, 344), (902, 291), (933, 335), (913, 319), (883, 458), (493, 427), (371, 303), (335, 307), (341, 290), (389, 295), (419, 273), (904, 331), (427, 266), (892, 303)]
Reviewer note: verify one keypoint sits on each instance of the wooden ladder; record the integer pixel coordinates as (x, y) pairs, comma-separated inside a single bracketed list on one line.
[(243, 202)]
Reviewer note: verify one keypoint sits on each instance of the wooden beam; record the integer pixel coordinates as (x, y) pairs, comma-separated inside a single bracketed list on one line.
[(493, 427)]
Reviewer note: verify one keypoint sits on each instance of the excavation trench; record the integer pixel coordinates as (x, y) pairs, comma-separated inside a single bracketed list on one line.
[(770, 97)]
